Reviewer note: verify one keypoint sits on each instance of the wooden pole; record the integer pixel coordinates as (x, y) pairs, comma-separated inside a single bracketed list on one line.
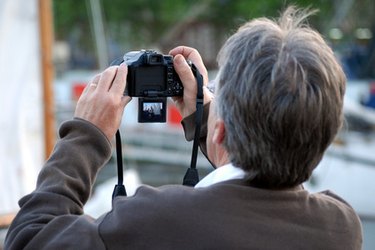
[(5, 220), (46, 42)]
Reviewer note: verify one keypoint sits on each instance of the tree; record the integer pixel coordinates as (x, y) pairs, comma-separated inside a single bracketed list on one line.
[(136, 24)]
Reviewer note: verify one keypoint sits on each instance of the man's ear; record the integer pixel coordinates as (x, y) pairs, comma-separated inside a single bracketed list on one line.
[(219, 132)]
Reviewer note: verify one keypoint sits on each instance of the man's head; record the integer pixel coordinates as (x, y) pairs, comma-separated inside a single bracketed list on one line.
[(280, 96)]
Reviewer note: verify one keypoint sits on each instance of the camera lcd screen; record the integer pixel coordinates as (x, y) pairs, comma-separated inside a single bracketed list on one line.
[(152, 110), (150, 78)]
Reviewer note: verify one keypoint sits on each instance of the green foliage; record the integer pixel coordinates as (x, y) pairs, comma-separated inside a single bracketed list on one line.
[(146, 20), (135, 24), (68, 14)]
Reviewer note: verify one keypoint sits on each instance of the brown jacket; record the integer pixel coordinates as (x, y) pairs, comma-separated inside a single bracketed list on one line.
[(227, 215)]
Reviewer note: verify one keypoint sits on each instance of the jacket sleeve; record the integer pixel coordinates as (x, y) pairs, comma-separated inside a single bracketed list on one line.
[(51, 216), (188, 124)]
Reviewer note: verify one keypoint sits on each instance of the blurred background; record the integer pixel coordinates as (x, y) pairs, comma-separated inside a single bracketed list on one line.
[(50, 49)]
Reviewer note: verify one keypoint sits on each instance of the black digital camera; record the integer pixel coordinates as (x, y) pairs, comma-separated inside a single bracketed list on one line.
[(152, 78)]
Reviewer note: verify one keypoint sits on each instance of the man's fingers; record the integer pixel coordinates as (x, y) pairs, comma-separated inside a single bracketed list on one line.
[(185, 51), (107, 78), (194, 56), (126, 100), (119, 83), (185, 73), (92, 84)]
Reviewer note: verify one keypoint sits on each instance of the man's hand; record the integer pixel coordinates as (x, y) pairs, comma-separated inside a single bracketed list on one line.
[(102, 102), (187, 104)]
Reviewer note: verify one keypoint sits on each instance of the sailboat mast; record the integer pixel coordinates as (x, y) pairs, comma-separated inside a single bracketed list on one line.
[(46, 41)]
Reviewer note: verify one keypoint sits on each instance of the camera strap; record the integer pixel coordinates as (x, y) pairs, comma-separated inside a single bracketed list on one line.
[(191, 177), (119, 187)]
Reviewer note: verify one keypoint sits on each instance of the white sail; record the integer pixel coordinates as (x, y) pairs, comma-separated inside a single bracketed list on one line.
[(21, 116)]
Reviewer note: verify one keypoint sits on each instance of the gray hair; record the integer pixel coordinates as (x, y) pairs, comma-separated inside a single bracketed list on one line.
[(280, 94)]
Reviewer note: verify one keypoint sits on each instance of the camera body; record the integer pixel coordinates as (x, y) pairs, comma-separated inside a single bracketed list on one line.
[(151, 75), (151, 78)]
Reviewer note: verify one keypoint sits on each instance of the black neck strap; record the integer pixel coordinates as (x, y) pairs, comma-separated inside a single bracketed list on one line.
[(191, 177), (119, 188)]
